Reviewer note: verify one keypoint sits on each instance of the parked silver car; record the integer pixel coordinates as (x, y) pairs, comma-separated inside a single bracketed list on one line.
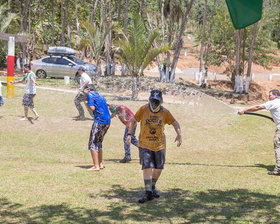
[(60, 64)]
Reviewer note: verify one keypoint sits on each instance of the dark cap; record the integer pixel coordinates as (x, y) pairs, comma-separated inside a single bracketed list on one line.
[(156, 95), (90, 87), (27, 66), (82, 68)]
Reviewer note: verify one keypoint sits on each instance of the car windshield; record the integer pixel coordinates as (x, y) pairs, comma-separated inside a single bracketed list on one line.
[(76, 60)]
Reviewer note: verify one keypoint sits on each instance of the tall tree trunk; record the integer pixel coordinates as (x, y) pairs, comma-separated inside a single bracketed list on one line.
[(237, 87), (179, 41), (119, 10), (208, 44), (62, 37), (52, 23), (203, 39), (68, 24), (94, 7), (42, 23), (29, 18), (107, 41), (124, 69), (250, 60), (77, 17), (167, 71)]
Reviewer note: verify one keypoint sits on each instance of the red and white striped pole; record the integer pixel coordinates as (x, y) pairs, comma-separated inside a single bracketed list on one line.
[(10, 67)]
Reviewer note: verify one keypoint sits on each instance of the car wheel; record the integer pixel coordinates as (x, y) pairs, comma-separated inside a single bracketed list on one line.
[(77, 78), (41, 74)]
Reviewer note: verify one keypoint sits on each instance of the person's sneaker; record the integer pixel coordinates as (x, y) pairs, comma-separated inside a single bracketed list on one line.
[(148, 196), (274, 172), (125, 160), (155, 193)]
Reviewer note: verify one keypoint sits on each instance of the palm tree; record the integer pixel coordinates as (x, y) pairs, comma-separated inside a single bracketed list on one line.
[(135, 50), (95, 40)]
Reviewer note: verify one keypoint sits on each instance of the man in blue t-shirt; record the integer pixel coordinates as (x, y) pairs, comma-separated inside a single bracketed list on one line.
[(98, 105)]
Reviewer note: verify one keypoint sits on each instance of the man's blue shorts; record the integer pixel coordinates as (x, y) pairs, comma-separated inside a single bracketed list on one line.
[(152, 159)]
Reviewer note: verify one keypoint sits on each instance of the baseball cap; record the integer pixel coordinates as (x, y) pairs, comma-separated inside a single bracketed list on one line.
[(156, 95), (82, 68), (27, 66)]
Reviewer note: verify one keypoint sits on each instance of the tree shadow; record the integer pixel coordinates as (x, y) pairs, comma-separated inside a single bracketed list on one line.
[(1, 117), (174, 205)]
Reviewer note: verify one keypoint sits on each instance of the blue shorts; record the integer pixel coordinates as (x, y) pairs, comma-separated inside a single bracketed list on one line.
[(1, 101), (152, 159)]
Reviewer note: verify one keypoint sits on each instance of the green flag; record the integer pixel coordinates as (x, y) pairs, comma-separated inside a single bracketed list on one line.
[(244, 12)]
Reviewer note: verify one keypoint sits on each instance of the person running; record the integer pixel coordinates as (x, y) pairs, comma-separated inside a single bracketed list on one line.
[(152, 143), (125, 115), (1, 98), (98, 105), (85, 80), (273, 105), (30, 91)]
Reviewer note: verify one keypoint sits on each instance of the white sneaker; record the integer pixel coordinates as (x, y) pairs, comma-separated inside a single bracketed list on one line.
[(24, 119)]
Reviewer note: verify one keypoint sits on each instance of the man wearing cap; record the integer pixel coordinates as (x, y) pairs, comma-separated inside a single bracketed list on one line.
[(98, 104), (152, 143), (30, 91), (125, 115), (80, 97)]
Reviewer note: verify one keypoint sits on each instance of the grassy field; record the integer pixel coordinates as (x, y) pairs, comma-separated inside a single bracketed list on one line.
[(218, 175)]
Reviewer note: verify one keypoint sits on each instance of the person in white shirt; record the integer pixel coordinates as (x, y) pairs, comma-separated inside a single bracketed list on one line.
[(30, 91), (273, 105), (80, 97), (1, 98)]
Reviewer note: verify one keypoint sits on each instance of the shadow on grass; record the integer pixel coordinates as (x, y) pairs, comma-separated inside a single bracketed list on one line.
[(196, 164), (174, 206), (267, 167)]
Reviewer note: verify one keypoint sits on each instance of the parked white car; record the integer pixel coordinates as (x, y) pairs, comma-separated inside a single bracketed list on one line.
[(61, 62)]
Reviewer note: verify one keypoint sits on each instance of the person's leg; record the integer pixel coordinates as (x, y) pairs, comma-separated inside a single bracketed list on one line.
[(35, 113), (159, 165), (127, 156), (276, 170), (147, 166), (100, 159), (94, 156), (78, 99), (25, 114)]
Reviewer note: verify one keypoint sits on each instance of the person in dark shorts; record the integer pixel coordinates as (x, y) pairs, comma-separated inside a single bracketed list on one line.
[(30, 91), (98, 105), (125, 115), (152, 143)]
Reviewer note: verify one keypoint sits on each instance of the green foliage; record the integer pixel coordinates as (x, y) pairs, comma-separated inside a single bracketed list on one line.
[(136, 49), (223, 50)]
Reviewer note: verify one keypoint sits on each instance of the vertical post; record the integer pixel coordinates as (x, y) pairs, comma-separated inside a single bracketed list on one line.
[(10, 67)]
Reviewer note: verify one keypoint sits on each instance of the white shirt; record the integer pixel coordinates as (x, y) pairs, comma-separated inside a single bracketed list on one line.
[(0, 88), (84, 77), (30, 87), (274, 107)]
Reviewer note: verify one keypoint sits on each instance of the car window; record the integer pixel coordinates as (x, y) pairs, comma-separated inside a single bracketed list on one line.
[(49, 60), (62, 61), (76, 60)]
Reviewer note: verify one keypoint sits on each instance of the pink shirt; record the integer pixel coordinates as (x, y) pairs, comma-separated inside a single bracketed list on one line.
[(124, 114)]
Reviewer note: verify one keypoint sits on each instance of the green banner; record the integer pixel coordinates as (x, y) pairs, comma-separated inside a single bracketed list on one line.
[(244, 12)]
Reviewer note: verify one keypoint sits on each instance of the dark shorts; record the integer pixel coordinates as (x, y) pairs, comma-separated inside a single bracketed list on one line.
[(27, 100), (96, 137), (152, 159)]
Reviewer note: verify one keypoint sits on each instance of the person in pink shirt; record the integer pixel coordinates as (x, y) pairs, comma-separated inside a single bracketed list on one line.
[(125, 115)]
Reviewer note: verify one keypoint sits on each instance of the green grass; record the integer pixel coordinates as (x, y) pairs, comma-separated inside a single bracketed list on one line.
[(218, 175)]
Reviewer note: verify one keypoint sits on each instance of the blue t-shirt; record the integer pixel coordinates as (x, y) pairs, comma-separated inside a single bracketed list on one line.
[(101, 112)]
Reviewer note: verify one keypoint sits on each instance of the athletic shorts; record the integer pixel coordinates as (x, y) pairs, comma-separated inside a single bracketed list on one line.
[(96, 137), (1, 100), (28, 100), (152, 159)]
